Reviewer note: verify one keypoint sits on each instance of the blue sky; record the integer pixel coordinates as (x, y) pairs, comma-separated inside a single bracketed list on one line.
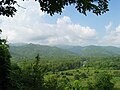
[(97, 22), (31, 25)]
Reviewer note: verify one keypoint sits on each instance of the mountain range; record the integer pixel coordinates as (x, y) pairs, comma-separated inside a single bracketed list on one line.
[(31, 50)]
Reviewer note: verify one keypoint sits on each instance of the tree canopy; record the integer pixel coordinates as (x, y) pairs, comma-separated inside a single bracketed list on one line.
[(7, 7), (4, 64)]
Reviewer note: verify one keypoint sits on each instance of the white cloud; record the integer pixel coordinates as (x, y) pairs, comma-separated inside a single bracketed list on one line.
[(112, 38), (70, 33), (108, 27), (28, 26), (64, 20), (118, 29)]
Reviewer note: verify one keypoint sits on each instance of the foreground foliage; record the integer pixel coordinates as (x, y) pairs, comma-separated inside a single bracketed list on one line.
[(4, 65), (7, 7)]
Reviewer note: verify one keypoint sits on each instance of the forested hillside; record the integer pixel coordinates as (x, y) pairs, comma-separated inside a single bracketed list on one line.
[(30, 50), (93, 50), (53, 68)]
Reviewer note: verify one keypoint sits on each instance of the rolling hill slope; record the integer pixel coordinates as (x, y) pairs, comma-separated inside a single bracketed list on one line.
[(93, 50), (31, 50)]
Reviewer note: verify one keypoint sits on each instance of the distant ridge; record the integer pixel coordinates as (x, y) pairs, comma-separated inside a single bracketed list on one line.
[(31, 50), (93, 50), (23, 50)]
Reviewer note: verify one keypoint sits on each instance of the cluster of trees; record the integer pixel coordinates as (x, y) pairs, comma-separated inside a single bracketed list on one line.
[(5, 65), (61, 65), (56, 64), (102, 82), (111, 63), (27, 77), (32, 76)]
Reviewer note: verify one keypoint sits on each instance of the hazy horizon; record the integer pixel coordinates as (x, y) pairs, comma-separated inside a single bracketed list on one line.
[(61, 45)]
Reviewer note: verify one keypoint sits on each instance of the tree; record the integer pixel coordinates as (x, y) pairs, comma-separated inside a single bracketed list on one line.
[(16, 77), (7, 7), (103, 82), (33, 76), (76, 85), (56, 6), (38, 77), (51, 83), (4, 65)]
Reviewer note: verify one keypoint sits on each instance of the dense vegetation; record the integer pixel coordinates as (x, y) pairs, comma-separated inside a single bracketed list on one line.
[(68, 73), (5, 65), (48, 72), (20, 51)]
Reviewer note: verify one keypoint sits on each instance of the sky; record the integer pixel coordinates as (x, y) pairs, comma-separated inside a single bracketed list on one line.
[(31, 25)]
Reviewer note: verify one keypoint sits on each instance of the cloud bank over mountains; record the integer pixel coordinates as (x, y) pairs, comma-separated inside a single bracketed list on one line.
[(29, 26)]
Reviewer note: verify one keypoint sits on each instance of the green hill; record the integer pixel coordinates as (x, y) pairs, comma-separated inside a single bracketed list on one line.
[(31, 50), (93, 50)]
